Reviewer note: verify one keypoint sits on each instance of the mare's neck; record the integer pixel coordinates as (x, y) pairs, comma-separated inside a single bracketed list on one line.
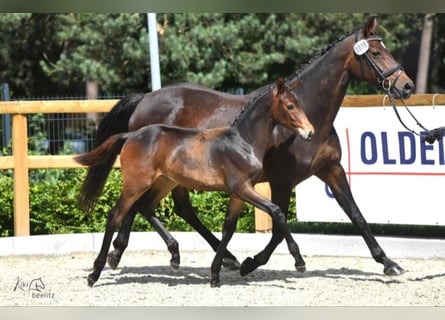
[(323, 85), (255, 123)]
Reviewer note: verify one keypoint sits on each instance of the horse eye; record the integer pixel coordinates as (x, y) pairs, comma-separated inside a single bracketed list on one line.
[(290, 106), (375, 53)]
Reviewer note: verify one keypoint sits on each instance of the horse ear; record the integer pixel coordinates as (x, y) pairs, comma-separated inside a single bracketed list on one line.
[(371, 26), (280, 86)]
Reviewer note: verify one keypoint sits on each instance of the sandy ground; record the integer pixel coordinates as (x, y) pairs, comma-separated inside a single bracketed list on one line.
[(146, 279)]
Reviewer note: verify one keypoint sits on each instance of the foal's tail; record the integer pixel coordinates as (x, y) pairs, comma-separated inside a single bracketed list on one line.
[(103, 153), (116, 121)]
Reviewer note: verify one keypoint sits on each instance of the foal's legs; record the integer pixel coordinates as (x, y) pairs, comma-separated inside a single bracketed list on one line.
[(335, 177), (144, 206), (233, 212), (249, 195), (114, 218), (185, 210), (122, 238), (281, 195)]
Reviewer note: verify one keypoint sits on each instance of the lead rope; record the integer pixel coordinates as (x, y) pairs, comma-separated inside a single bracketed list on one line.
[(430, 135)]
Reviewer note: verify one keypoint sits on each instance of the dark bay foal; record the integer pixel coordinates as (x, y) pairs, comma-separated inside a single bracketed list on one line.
[(157, 158)]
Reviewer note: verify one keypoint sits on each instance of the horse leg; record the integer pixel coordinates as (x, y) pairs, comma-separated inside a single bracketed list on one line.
[(335, 177), (279, 220), (233, 212), (281, 196), (184, 209), (99, 263), (146, 204), (130, 194), (170, 241), (122, 238)]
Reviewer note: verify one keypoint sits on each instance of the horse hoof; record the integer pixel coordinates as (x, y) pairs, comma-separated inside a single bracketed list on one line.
[(231, 264), (113, 260), (91, 281), (174, 264), (301, 268), (215, 284), (247, 266), (393, 270)]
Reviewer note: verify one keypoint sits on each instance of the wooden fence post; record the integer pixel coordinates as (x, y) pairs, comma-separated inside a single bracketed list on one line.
[(263, 221), (21, 179)]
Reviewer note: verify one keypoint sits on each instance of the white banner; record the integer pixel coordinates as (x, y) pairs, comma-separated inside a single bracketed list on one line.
[(395, 177)]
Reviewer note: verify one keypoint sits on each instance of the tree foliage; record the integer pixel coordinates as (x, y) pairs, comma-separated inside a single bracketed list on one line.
[(54, 54)]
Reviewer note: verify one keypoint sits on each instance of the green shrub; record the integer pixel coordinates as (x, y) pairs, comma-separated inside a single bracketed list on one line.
[(53, 205), (6, 203)]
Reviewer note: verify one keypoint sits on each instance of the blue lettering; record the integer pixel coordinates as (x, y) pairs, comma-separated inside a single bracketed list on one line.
[(441, 152), (424, 147), (386, 159), (368, 136), (404, 139)]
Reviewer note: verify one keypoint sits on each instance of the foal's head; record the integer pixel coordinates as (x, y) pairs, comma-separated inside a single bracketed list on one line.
[(287, 111)]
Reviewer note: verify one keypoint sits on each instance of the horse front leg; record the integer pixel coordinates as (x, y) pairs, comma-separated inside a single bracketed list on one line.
[(335, 177), (184, 209), (280, 229), (281, 195)]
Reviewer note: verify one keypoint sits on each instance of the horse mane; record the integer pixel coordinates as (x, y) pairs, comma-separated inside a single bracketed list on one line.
[(325, 50), (264, 91), (296, 74)]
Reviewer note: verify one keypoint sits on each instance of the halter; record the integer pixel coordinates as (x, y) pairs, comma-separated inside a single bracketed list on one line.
[(383, 80), (389, 87)]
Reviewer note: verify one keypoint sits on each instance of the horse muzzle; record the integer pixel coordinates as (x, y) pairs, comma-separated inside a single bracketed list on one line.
[(306, 134), (401, 87), (401, 92)]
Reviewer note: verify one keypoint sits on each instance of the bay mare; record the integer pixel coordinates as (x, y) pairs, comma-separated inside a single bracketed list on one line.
[(323, 86), (157, 158)]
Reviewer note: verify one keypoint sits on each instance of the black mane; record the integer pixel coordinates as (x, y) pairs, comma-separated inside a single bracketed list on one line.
[(252, 101), (303, 67)]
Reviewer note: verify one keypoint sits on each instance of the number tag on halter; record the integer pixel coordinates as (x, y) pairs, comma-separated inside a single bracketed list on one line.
[(361, 47)]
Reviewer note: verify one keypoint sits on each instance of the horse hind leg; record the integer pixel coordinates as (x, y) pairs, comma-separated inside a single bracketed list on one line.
[(336, 179), (114, 219), (232, 215), (146, 205), (170, 241), (184, 209), (122, 238), (99, 263)]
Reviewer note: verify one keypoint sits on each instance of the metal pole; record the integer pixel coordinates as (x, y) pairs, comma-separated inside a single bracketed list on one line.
[(154, 51), (6, 118)]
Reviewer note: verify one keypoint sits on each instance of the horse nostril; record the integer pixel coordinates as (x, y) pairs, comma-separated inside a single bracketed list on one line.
[(409, 86), (408, 89)]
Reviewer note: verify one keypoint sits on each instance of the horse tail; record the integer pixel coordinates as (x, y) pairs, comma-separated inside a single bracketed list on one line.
[(103, 153), (115, 121)]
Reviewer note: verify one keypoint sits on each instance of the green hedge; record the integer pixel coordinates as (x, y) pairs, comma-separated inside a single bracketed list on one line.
[(53, 205), (53, 209)]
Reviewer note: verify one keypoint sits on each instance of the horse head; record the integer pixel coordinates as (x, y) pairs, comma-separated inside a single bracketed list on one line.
[(374, 63), (287, 111)]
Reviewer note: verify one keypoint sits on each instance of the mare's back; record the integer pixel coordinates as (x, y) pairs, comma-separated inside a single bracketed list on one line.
[(188, 105)]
